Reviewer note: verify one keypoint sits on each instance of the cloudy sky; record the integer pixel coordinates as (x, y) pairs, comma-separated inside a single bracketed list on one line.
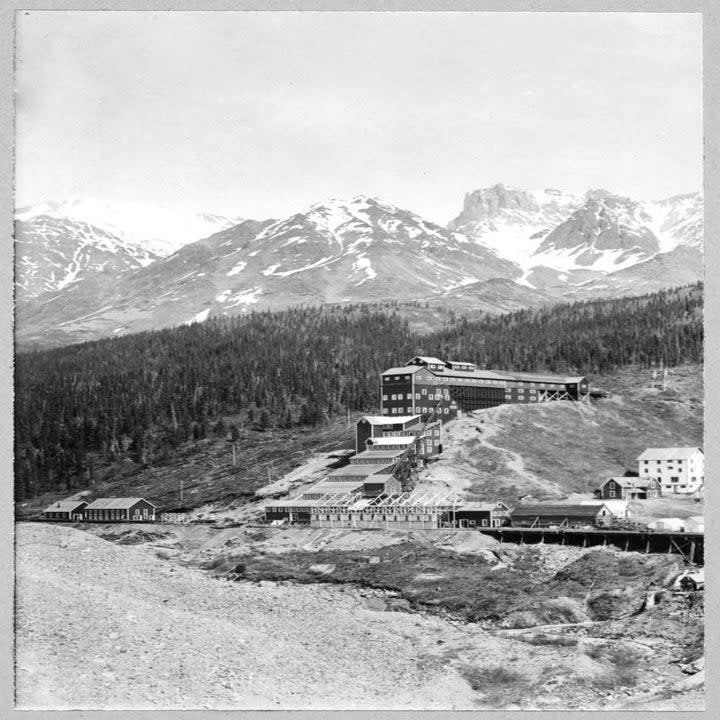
[(262, 114)]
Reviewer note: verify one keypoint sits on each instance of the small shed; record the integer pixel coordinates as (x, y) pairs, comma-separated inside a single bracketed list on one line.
[(66, 510), (695, 524), (120, 510), (671, 524)]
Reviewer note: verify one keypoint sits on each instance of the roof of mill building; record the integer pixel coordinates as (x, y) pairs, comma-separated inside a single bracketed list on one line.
[(672, 453), (116, 503), (359, 470), (589, 511)]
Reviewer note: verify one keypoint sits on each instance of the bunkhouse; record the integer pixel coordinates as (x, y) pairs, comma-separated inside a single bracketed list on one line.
[(438, 389), (120, 510), (480, 514), (680, 470), (67, 510), (630, 488), (570, 516)]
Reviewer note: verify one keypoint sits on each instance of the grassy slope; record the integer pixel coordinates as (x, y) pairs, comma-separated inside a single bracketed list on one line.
[(206, 471), (555, 449), (506, 453)]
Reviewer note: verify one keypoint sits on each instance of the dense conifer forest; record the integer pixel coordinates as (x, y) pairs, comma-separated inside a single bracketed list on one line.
[(134, 396)]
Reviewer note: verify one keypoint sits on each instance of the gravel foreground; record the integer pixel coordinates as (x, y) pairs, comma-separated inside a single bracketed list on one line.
[(100, 625), (103, 626)]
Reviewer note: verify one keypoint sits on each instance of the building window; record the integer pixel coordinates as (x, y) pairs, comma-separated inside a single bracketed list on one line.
[(675, 479), (385, 397), (424, 391), (409, 396), (612, 493)]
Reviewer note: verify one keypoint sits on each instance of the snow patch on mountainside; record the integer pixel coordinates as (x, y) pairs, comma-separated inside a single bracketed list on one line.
[(237, 269), (160, 230), (200, 317), (363, 264)]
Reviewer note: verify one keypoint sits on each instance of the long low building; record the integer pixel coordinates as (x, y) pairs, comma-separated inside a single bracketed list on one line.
[(434, 388), (120, 509), (544, 515)]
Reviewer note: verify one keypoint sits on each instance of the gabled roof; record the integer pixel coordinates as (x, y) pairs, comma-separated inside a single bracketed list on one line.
[(405, 370), (64, 506), (116, 503), (673, 453), (632, 482), (427, 359), (589, 511)]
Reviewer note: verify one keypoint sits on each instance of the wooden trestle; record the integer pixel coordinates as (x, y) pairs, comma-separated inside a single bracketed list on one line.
[(690, 545)]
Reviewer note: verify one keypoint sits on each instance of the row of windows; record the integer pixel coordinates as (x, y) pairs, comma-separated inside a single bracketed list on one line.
[(410, 411), (692, 462)]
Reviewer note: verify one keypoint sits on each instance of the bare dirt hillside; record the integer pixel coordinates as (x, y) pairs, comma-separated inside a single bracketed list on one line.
[(554, 449), (135, 623)]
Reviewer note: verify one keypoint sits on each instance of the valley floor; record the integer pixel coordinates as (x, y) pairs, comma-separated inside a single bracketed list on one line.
[(111, 626)]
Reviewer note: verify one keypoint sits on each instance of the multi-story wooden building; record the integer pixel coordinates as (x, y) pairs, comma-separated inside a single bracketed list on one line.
[(680, 470), (630, 488), (381, 433), (479, 514), (434, 388)]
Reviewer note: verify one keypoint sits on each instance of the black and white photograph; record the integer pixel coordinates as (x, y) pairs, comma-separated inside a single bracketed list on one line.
[(358, 360)]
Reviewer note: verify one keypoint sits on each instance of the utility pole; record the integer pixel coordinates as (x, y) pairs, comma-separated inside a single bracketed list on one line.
[(234, 460), (181, 491)]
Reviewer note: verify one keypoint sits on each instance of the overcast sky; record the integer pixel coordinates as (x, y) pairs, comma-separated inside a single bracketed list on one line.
[(262, 114)]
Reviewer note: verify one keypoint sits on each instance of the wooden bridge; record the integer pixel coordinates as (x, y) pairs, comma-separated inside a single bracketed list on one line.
[(690, 545)]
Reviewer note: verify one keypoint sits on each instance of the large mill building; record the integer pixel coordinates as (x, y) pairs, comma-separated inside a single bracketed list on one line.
[(427, 385)]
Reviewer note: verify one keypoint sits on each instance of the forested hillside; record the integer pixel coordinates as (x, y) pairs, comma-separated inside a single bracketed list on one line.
[(135, 397)]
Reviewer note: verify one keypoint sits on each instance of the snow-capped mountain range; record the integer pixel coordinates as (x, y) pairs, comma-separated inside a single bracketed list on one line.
[(507, 248), (158, 230)]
